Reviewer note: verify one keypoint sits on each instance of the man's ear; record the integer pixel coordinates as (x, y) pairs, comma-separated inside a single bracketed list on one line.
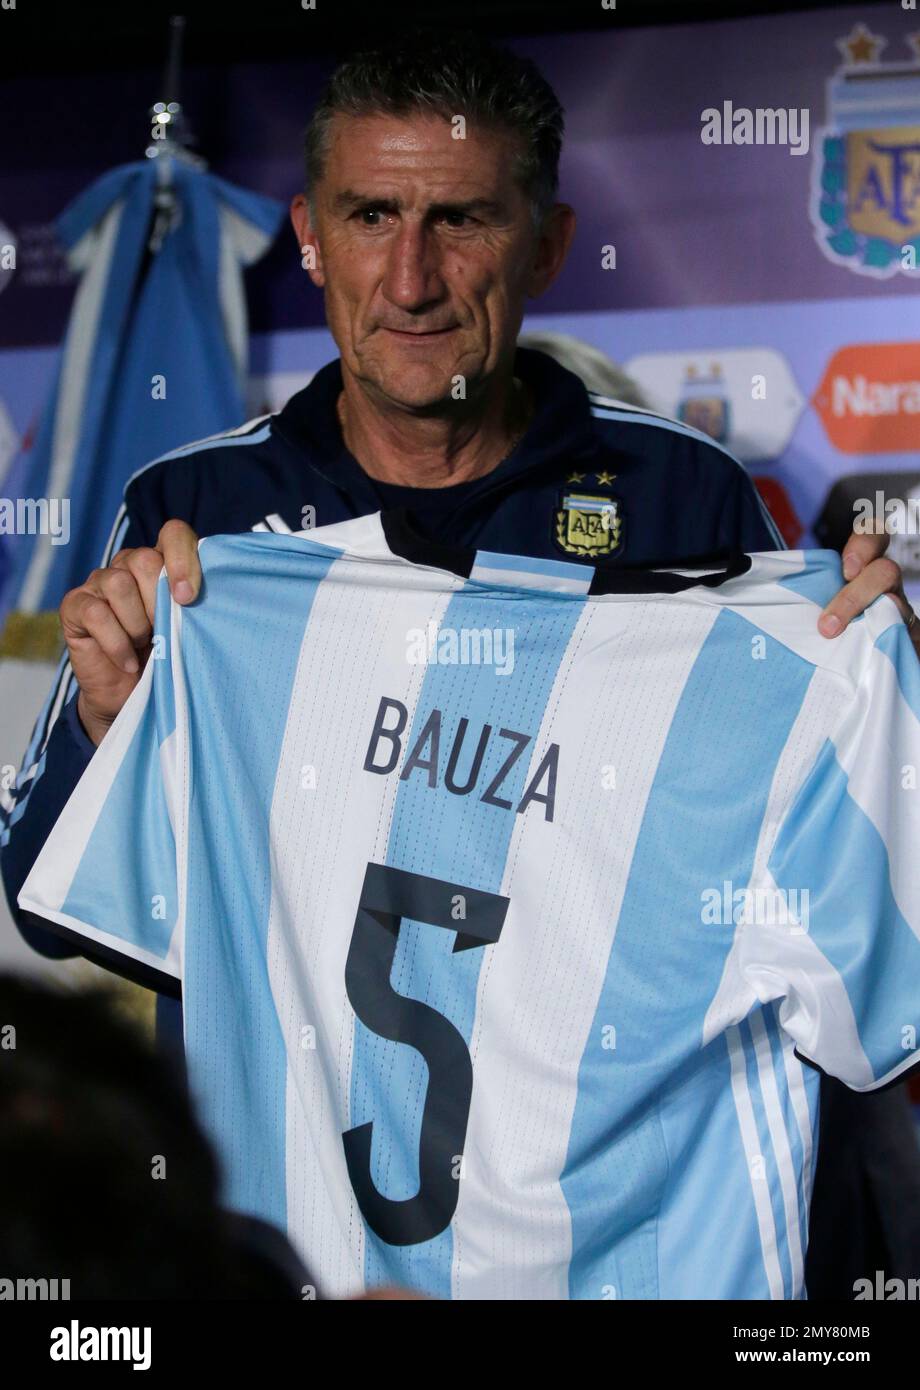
[(552, 247), (310, 257)]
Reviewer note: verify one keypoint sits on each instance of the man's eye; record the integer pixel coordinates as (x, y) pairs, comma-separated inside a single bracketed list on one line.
[(369, 216), (456, 219)]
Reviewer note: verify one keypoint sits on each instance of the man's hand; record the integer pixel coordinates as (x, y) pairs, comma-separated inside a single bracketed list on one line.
[(108, 621), (869, 573)]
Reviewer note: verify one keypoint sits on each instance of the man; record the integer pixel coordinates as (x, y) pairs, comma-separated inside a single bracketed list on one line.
[(429, 221)]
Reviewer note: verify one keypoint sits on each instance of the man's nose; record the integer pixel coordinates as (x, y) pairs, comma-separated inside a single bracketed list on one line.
[(413, 275)]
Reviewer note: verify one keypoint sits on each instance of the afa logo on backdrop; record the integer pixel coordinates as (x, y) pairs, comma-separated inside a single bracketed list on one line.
[(865, 204)]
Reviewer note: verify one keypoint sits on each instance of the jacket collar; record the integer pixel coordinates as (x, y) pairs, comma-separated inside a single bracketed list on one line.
[(560, 430)]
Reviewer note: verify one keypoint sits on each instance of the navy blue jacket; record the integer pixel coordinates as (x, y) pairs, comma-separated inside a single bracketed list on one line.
[(671, 495)]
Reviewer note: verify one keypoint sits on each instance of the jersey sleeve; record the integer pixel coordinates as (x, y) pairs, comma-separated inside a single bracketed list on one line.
[(745, 521), (58, 753), (107, 875), (846, 963)]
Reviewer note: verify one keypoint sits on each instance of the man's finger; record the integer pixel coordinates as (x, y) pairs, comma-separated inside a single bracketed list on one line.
[(861, 549), (120, 590), (883, 576), (145, 565), (178, 544), (89, 615)]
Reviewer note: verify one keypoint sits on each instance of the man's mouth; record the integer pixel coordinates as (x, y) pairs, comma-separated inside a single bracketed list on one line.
[(422, 337)]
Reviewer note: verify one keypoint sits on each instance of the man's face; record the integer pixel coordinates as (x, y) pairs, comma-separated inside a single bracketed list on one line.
[(426, 249)]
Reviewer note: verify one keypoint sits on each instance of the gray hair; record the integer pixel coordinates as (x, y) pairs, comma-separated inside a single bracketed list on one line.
[(598, 372), (448, 75)]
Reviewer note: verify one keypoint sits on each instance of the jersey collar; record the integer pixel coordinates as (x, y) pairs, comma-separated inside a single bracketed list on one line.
[(404, 540)]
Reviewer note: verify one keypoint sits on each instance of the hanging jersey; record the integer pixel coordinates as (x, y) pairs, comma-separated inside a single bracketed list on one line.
[(513, 903)]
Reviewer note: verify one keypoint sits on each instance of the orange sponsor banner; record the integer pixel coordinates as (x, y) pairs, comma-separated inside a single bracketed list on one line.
[(869, 398)]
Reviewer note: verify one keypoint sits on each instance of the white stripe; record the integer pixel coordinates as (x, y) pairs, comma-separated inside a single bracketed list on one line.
[(823, 700), (321, 840), (749, 1139), (769, 962), (795, 1076), (79, 349), (780, 962), (782, 1151), (241, 243), (230, 291)]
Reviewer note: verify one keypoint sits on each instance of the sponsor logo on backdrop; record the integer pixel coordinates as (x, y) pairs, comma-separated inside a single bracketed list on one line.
[(868, 399), (744, 398), (704, 403), (865, 204)]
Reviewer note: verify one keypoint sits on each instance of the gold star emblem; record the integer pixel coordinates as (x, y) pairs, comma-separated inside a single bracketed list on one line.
[(605, 479), (861, 46), (575, 478)]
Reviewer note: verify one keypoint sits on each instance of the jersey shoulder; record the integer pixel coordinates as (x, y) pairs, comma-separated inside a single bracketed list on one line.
[(783, 595), (656, 431), (652, 437)]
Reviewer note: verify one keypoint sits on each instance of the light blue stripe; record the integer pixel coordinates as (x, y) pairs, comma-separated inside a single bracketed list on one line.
[(713, 779), (461, 840), (895, 644), (125, 883), (819, 579), (854, 920), (248, 642), (527, 564)]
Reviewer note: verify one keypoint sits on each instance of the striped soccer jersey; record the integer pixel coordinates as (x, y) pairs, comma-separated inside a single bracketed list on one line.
[(513, 902)]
